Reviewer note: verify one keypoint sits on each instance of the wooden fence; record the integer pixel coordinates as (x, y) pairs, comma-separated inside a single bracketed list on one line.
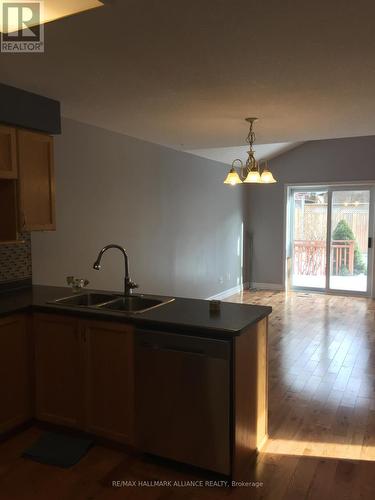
[(311, 223), (309, 257)]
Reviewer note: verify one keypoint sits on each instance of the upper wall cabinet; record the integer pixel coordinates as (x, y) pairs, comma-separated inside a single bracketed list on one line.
[(36, 181), (8, 153)]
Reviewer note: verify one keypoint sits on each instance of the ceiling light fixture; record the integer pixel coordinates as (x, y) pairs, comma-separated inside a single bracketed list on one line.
[(266, 176), (233, 178), (50, 10), (250, 172)]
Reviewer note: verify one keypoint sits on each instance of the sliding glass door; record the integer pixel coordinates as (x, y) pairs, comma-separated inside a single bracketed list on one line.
[(309, 238), (329, 238), (349, 252)]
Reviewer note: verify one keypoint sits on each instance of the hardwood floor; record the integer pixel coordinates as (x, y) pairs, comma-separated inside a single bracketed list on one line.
[(321, 422), (321, 396)]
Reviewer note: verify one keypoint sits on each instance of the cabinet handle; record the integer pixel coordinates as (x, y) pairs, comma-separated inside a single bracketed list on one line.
[(156, 347), (23, 217)]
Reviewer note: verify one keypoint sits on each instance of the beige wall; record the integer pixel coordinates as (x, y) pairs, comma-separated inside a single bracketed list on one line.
[(170, 210)]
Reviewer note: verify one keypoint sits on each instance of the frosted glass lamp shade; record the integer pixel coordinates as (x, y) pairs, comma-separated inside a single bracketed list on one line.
[(232, 178), (267, 177), (253, 176)]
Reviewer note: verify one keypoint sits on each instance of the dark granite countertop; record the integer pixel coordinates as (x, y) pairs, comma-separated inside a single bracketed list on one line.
[(182, 315)]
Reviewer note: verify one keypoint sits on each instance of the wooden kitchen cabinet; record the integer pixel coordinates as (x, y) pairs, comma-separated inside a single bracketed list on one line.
[(8, 211), (85, 375), (8, 193), (15, 372), (58, 369), (27, 184), (36, 181), (8, 152), (109, 380)]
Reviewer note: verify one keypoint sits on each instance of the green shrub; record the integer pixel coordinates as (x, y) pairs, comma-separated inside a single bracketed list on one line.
[(344, 232)]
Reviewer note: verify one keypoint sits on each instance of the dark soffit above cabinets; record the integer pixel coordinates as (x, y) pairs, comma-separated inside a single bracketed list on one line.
[(25, 109)]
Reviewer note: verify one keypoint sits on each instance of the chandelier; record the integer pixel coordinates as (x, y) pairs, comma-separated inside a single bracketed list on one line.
[(250, 172)]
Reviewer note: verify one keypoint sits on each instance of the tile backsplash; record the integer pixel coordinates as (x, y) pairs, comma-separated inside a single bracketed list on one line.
[(15, 260)]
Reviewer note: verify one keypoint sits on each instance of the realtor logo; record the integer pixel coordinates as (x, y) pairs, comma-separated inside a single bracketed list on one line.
[(22, 28)]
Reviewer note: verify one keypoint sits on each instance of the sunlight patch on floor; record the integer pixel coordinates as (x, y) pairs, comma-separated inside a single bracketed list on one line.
[(320, 449)]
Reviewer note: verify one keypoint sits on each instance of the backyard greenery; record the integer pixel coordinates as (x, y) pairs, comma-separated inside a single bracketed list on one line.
[(343, 232)]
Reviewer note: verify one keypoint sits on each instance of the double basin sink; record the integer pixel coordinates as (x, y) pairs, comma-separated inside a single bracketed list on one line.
[(111, 302)]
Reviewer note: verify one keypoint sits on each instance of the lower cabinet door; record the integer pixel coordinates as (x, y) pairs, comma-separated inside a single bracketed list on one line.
[(58, 367), (109, 380), (15, 372)]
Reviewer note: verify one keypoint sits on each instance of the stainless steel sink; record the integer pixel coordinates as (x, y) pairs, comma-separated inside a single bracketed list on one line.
[(84, 299), (111, 302), (135, 303)]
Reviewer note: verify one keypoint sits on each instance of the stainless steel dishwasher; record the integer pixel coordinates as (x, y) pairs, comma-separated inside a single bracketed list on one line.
[(182, 398)]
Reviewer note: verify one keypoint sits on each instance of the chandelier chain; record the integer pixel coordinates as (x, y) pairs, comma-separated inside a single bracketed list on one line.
[(250, 139)]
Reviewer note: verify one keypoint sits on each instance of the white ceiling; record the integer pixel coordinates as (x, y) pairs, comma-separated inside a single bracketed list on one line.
[(186, 74), (227, 155)]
